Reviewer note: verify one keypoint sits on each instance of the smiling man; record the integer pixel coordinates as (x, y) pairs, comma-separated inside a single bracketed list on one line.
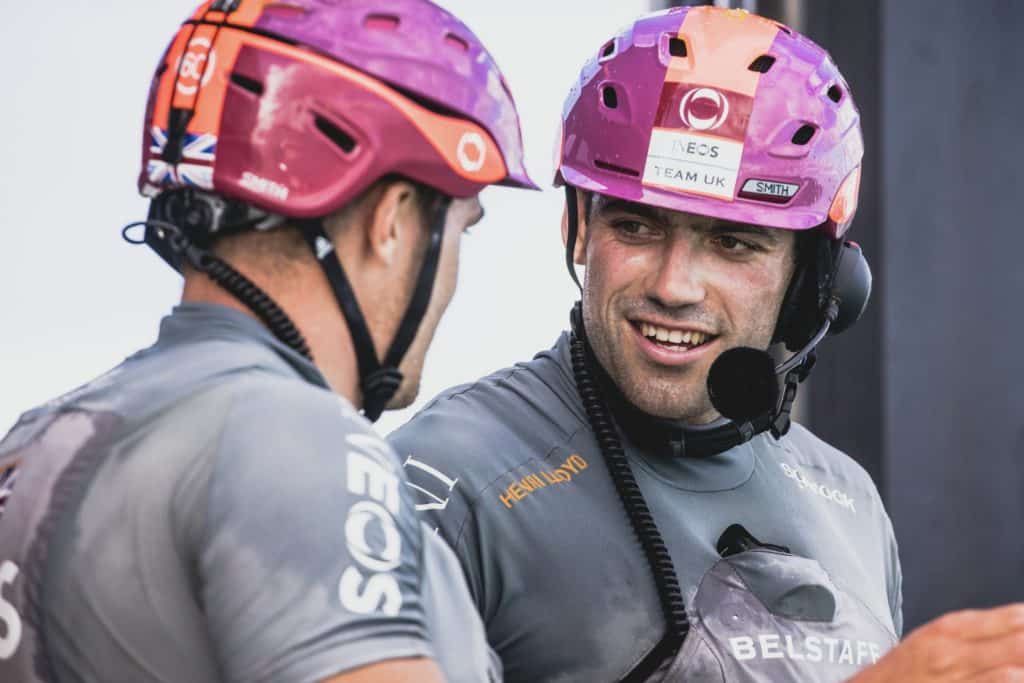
[(634, 504)]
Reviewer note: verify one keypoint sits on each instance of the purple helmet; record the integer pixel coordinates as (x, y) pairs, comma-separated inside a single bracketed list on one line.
[(720, 113), (297, 107)]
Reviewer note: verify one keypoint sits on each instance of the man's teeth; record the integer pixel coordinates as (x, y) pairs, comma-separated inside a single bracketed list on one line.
[(663, 334)]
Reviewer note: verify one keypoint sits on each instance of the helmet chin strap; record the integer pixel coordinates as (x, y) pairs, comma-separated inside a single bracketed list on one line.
[(379, 381), (573, 220)]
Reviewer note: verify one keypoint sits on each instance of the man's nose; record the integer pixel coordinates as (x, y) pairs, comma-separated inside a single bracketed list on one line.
[(678, 281)]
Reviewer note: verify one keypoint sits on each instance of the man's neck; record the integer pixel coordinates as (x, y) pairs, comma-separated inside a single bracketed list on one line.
[(310, 304)]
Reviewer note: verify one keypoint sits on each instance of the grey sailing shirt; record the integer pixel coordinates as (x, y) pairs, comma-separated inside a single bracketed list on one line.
[(509, 472), (209, 510)]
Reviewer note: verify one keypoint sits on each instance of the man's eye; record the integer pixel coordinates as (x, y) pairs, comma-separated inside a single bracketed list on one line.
[(633, 228), (730, 243)]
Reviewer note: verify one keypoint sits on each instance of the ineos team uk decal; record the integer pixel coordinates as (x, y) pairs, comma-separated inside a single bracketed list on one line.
[(705, 103), (697, 140)]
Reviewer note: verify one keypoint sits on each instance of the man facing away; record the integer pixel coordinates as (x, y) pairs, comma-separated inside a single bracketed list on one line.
[(215, 508), (634, 504)]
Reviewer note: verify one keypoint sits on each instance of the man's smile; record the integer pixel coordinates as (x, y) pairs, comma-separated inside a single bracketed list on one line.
[(671, 344)]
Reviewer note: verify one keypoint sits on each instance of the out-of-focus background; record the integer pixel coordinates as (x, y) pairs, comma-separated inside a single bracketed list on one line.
[(925, 391)]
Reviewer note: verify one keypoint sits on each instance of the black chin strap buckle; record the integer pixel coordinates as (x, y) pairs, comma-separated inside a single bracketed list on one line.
[(378, 388), (171, 237), (782, 421)]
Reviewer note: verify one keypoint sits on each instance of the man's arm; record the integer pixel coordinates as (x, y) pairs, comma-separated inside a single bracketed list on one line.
[(980, 646), (393, 671)]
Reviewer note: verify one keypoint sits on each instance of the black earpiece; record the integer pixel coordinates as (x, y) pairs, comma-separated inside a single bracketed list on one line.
[(851, 286), (828, 271)]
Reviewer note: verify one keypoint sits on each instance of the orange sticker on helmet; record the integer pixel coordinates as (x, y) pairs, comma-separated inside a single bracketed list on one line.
[(845, 203), (198, 69), (720, 49), (246, 14), (700, 128)]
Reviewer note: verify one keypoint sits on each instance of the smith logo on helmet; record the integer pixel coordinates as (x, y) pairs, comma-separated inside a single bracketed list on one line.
[(769, 188)]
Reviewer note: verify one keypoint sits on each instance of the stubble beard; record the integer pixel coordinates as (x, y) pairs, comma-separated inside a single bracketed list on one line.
[(674, 393), (678, 393)]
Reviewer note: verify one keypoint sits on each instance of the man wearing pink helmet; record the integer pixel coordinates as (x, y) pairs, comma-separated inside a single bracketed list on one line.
[(635, 504), (215, 508)]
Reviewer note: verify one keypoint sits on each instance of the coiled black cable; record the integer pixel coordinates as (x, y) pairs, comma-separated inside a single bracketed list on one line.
[(658, 558), (169, 236), (246, 291)]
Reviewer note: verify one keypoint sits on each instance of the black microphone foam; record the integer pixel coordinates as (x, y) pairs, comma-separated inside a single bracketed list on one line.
[(742, 384)]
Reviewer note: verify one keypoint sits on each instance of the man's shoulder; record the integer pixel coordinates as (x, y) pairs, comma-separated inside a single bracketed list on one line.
[(496, 422), (818, 456), (282, 417)]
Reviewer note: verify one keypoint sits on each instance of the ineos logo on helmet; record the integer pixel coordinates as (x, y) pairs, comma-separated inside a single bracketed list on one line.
[(704, 109), (472, 151), (197, 64)]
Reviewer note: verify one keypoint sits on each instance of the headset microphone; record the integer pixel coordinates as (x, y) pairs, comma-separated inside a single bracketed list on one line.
[(742, 381)]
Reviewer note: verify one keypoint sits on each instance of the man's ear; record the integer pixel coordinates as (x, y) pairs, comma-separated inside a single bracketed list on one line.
[(579, 250), (391, 220)]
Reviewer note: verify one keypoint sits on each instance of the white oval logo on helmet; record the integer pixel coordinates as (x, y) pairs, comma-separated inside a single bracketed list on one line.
[(704, 109), (192, 66), (472, 151)]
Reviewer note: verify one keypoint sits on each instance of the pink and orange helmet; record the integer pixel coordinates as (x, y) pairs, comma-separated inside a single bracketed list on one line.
[(720, 113), (298, 106)]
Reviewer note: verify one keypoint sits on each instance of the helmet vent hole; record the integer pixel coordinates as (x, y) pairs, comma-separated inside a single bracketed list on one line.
[(677, 47), (460, 44), (336, 135), (762, 64), (604, 165), (285, 10), (608, 50), (381, 22), (835, 93), (246, 83), (610, 97), (804, 134), (785, 29)]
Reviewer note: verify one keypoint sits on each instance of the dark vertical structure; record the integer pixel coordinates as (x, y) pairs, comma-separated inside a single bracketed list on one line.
[(927, 391), (953, 242), (846, 389)]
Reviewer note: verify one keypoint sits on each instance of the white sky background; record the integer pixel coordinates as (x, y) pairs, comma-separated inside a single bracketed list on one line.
[(75, 299)]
